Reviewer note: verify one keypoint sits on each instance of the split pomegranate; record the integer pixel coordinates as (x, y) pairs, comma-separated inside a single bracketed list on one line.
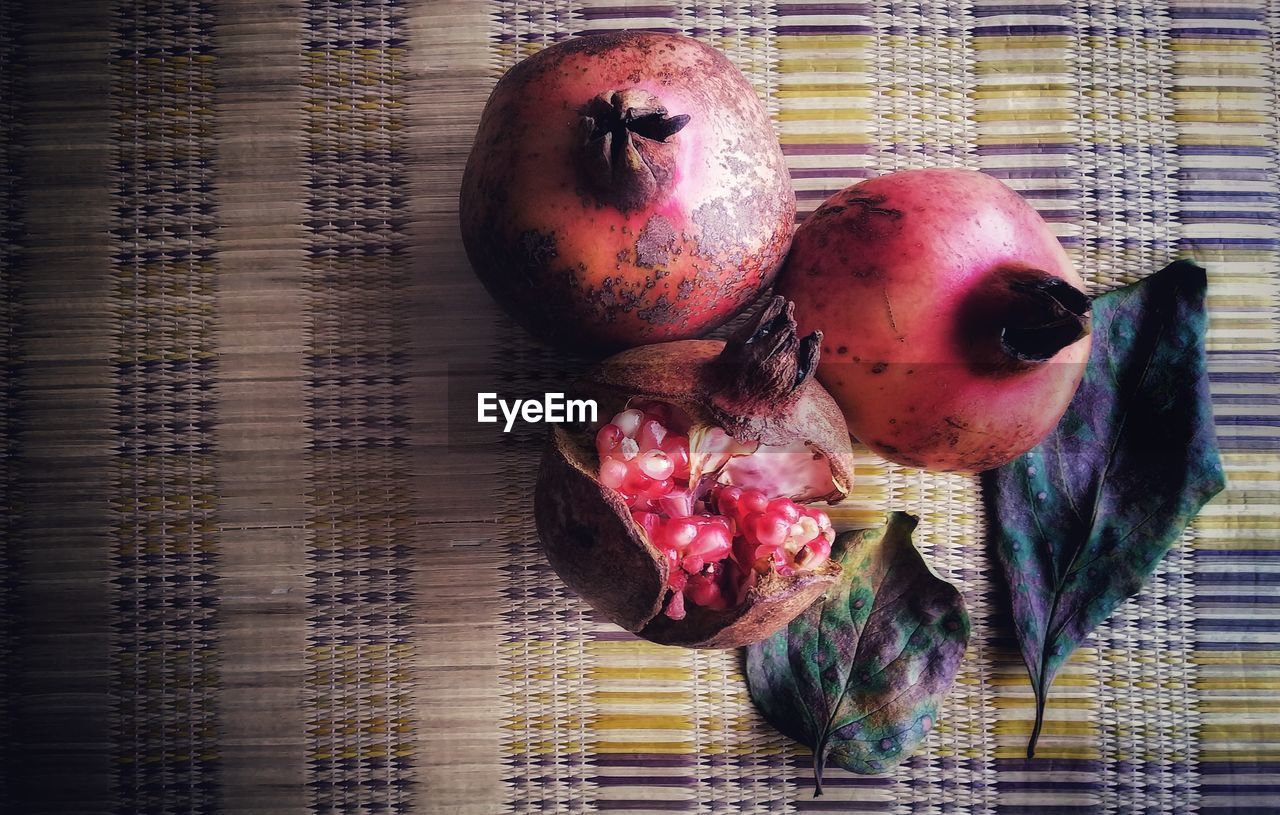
[(625, 189), (684, 518), (958, 329), (717, 541)]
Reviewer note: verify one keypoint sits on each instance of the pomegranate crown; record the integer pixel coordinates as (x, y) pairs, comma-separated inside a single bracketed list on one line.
[(1048, 315), (626, 154), (766, 359)]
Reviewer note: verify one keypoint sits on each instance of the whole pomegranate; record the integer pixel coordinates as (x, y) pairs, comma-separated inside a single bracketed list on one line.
[(957, 328), (625, 189), (682, 518)]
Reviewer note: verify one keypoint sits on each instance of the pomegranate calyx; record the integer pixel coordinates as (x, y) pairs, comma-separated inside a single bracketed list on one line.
[(767, 360), (626, 156), (1047, 315)]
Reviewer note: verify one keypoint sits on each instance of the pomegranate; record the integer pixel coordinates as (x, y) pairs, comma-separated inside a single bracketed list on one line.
[(683, 518), (625, 189), (957, 328)]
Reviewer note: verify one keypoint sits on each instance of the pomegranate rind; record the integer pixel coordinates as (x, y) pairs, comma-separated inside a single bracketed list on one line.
[(773, 602), (590, 540)]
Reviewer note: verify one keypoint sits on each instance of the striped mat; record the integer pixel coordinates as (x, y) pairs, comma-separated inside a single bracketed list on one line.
[(249, 562)]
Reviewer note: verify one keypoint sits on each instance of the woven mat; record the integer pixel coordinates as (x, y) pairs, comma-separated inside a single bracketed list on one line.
[(247, 571)]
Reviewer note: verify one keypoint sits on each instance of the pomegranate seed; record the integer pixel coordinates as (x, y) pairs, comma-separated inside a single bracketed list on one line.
[(726, 500), (806, 529), (656, 465), (627, 449), (677, 449), (713, 542), (608, 438), (676, 504), (752, 501), (629, 421), (786, 508), (677, 578), (651, 435), (820, 546), (637, 482), (679, 534), (769, 529), (675, 606), (712, 559), (659, 489), (612, 473), (649, 521), (705, 591)]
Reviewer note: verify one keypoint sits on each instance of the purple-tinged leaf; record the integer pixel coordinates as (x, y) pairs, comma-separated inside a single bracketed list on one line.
[(859, 676), (1081, 521)]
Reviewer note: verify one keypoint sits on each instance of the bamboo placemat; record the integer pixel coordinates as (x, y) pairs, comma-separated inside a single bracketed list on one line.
[(253, 560)]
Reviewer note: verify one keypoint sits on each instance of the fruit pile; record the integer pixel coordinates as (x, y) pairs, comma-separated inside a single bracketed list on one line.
[(626, 190), (717, 541)]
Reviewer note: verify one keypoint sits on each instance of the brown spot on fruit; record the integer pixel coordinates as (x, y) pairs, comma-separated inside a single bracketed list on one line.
[(879, 367), (656, 243)]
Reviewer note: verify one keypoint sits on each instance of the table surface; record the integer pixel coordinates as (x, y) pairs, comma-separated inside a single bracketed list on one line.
[(246, 569)]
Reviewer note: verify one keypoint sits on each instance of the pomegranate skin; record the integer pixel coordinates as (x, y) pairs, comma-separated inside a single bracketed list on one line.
[(589, 243), (956, 329)]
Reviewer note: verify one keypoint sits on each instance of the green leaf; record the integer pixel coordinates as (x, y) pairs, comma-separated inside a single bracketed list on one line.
[(1081, 521), (860, 675)]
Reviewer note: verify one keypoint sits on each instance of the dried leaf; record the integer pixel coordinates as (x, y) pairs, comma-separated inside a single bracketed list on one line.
[(860, 675), (1081, 521)]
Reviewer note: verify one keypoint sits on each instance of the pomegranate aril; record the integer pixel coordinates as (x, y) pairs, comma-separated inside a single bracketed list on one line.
[(649, 521), (768, 529), (713, 542), (679, 534), (818, 515), (659, 489), (727, 500), (627, 450), (629, 421), (806, 529), (785, 508), (677, 449), (676, 504), (703, 590), (675, 575), (651, 435), (613, 473), (608, 438), (656, 465), (693, 563), (637, 482), (677, 578), (752, 501), (675, 606)]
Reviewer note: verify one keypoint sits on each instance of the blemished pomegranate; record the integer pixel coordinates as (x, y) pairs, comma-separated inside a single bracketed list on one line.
[(625, 189), (684, 517), (957, 330)]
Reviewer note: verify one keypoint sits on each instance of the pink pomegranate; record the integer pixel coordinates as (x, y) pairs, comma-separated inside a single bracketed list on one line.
[(683, 517), (625, 189), (956, 327)]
